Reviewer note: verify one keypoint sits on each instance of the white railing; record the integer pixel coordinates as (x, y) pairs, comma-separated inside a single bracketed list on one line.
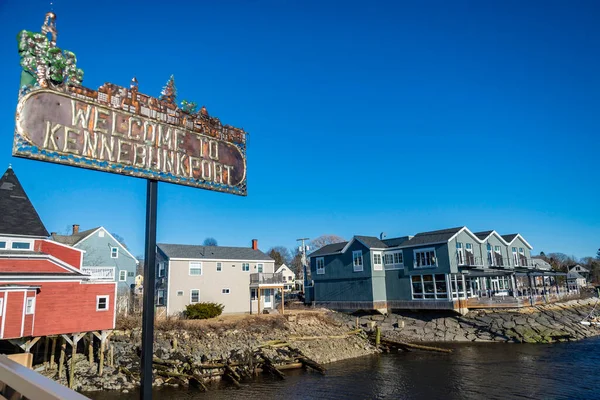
[(100, 273), (17, 380)]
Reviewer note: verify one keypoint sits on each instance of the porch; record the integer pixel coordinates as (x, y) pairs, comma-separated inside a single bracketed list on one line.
[(266, 291)]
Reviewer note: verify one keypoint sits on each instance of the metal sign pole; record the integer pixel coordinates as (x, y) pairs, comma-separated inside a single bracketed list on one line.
[(149, 278)]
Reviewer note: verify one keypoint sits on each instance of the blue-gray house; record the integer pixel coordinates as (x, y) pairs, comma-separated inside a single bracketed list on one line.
[(446, 269), (105, 258)]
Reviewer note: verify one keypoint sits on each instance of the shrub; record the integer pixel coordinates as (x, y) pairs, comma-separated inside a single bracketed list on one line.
[(203, 310)]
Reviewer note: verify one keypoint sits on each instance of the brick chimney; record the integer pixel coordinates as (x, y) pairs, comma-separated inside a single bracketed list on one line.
[(75, 229), (254, 244)]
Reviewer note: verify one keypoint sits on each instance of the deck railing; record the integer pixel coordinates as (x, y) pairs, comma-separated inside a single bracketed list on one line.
[(100, 273), (18, 381), (266, 278)]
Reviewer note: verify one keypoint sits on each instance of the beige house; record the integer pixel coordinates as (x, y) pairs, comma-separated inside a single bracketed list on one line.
[(232, 276), (289, 277)]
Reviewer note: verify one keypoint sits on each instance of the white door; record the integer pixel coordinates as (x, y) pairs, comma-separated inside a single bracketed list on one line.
[(268, 302)]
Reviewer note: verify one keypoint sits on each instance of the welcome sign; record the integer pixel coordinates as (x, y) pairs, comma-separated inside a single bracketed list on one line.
[(117, 129)]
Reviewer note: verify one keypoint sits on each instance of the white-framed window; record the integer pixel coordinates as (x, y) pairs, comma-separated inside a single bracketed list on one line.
[(101, 233), (497, 249), (114, 252), (8, 243), (425, 258), (320, 266), (161, 269), (515, 256), (357, 260), (102, 303), (30, 306), (122, 275), (2, 244), (460, 253), (388, 259), (377, 265), (393, 260), (398, 258), (21, 245), (195, 268), (426, 287), (490, 255), (219, 267), (521, 251), (195, 296), (160, 297), (245, 267), (260, 267), (225, 291), (180, 293)]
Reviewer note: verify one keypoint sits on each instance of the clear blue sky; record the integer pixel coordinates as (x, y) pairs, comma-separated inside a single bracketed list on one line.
[(363, 116)]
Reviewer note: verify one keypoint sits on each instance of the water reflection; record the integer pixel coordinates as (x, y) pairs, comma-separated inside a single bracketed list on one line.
[(474, 371)]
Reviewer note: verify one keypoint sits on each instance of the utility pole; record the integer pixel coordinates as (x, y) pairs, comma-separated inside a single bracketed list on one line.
[(303, 249)]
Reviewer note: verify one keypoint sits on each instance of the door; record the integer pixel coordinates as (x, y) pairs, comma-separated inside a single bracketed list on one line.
[(268, 298)]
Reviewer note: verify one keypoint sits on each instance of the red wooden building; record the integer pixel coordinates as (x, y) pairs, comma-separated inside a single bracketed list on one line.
[(42, 289)]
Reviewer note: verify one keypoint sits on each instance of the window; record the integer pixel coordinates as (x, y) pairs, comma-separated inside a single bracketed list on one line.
[(195, 296), (490, 256), (429, 287), (398, 259), (469, 256), (521, 251), (225, 291), (320, 266), (515, 256), (195, 268), (357, 260), (2, 244), (388, 259), (122, 275), (130, 274), (161, 269), (252, 294), (219, 267), (102, 303), (245, 267), (160, 297), (425, 258), (497, 249), (460, 254), (1, 305), (377, 262), (180, 293), (393, 260), (101, 233), (114, 252), (21, 245), (260, 267), (30, 308)]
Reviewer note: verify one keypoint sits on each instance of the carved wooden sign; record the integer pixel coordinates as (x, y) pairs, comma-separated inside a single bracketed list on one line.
[(119, 130)]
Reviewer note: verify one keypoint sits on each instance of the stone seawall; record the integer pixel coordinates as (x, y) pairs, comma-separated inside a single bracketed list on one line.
[(539, 324)]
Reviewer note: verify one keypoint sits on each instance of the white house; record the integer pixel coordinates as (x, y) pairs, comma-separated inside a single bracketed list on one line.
[(575, 281), (289, 277)]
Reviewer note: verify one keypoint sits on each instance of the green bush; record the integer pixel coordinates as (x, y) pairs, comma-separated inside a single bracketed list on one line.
[(203, 310)]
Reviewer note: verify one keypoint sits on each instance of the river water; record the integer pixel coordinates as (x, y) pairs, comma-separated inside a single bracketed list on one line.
[(473, 371)]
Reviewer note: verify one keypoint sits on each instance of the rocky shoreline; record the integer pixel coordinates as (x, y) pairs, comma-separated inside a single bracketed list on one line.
[(321, 335), (548, 323)]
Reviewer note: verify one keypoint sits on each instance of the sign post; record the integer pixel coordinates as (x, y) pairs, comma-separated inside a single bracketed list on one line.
[(123, 131)]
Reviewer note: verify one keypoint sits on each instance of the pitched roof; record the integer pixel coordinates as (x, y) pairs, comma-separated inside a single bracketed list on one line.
[(19, 217), (432, 237), (393, 242), (509, 238), (72, 240), (212, 252), (482, 235), (328, 249), (574, 275), (371, 242)]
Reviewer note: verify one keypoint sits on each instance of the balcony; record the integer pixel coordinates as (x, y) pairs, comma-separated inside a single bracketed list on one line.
[(266, 279), (497, 261), (468, 260), (100, 273)]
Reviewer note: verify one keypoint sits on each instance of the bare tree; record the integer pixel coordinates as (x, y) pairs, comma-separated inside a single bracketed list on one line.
[(119, 239), (296, 263), (280, 254), (324, 240), (210, 241)]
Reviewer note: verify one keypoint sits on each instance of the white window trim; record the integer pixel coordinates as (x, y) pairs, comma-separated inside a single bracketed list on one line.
[(107, 303), (260, 268), (192, 291), (223, 291), (377, 267), (219, 267), (320, 271), (111, 252), (196, 263), (428, 249), (10, 240), (158, 297), (394, 264), (161, 269), (32, 311), (360, 267), (245, 267), (124, 278)]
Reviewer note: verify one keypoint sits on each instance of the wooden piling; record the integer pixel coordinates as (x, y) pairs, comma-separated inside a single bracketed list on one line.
[(91, 348), (61, 362), (46, 345), (111, 353), (101, 357), (72, 367), (52, 352), (377, 336)]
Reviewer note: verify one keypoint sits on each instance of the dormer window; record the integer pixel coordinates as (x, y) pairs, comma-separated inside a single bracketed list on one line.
[(8, 243), (2, 244), (21, 245)]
